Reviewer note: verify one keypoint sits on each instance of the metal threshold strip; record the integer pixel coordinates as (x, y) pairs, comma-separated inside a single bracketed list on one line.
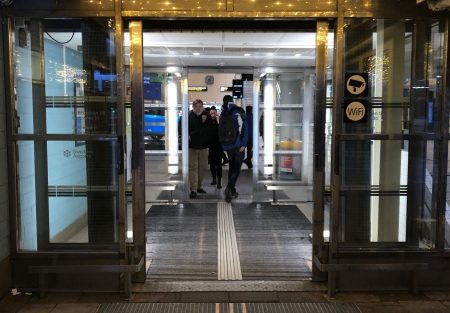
[(228, 307)]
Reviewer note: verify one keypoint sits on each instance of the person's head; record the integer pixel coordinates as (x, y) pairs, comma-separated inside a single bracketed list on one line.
[(213, 112), (227, 99), (197, 106), (248, 109)]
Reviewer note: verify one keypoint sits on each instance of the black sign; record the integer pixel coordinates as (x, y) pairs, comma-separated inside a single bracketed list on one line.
[(238, 88), (356, 85), (356, 111)]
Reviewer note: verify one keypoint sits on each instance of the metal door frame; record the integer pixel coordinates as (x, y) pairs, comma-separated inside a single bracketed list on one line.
[(138, 150)]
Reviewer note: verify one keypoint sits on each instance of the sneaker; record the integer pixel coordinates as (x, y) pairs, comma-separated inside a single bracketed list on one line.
[(228, 195), (214, 182), (234, 193), (193, 195), (201, 190)]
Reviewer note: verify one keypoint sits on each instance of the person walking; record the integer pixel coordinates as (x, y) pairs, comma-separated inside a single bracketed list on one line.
[(233, 135), (215, 150), (198, 122)]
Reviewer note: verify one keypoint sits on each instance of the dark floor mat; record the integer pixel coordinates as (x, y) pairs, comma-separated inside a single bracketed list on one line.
[(182, 242), (273, 241)]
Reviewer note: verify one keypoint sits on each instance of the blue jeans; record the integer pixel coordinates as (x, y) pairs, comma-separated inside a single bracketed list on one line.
[(235, 158)]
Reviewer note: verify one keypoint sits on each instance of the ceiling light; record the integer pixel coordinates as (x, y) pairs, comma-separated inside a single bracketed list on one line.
[(270, 54), (298, 54), (196, 53), (247, 54)]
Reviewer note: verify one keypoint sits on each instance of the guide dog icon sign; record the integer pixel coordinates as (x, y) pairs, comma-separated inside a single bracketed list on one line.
[(356, 84)]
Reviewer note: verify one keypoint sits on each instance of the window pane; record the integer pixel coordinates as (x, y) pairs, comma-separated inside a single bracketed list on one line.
[(71, 72), (387, 196), (382, 49), (83, 192), (27, 196)]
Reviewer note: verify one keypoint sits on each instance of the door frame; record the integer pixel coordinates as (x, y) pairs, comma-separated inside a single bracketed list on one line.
[(138, 149)]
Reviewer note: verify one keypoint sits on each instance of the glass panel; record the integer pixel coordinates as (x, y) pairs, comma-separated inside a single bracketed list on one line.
[(447, 203), (381, 48), (79, 76), (83, 192), (24, 78), (374, 202), (27, 196)]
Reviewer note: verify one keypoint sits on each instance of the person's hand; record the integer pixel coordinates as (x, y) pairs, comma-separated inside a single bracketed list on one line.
[(203, 118), (241, 149)]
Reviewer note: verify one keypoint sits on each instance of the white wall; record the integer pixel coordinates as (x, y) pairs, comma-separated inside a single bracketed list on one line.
[(213, 94)]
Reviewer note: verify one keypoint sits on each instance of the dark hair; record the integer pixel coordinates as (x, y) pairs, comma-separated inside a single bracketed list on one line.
[(213, 108), (248, 109), (197, 101), (227, 99)]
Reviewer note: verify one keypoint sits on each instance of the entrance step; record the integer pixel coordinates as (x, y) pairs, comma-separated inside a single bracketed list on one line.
[(230, 286)]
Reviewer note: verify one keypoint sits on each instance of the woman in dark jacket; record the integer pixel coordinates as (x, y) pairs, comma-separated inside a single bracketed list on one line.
[(215, 150)]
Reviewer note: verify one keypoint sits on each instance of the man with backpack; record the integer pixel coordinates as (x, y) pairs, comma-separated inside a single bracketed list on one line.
[(233, 135)]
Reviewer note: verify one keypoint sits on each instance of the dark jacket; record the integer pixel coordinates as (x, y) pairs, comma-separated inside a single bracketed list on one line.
[(199, 136), (240, 122)]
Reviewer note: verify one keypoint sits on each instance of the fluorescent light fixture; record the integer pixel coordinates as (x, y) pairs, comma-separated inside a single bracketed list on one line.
[(171, 69), (177, 74), (196, 53), (298, 55), (172, 122), (247, 54)]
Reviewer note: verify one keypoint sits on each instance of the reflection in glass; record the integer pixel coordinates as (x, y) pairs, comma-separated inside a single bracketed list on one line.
[(383, 208), (27, 196)]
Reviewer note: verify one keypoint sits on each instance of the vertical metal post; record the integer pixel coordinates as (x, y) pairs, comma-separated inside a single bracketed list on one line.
[(8, 48), (255, 171), (319, 145), (40, 129), (138, 150), (185, 130), (335, 177), (417, 151), (121, 132), (443, 146)]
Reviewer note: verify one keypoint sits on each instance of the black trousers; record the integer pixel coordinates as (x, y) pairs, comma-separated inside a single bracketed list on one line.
[(235, 158), (215, 163)]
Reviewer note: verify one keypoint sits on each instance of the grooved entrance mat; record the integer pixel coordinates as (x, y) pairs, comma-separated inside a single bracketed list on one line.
[(228, 308)]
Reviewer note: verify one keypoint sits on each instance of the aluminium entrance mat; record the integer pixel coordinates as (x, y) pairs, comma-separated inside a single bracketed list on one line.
[(228, 308)]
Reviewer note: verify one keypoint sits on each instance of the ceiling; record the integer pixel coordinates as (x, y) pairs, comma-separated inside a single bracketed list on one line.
[(219, 49), (228, 49)]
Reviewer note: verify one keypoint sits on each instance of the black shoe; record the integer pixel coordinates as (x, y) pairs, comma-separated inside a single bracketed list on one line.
[(219, 185), (214, 182), (193, 195), (248, 163), (234, 194), (201, 190), (225, 162), (228, 195)]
